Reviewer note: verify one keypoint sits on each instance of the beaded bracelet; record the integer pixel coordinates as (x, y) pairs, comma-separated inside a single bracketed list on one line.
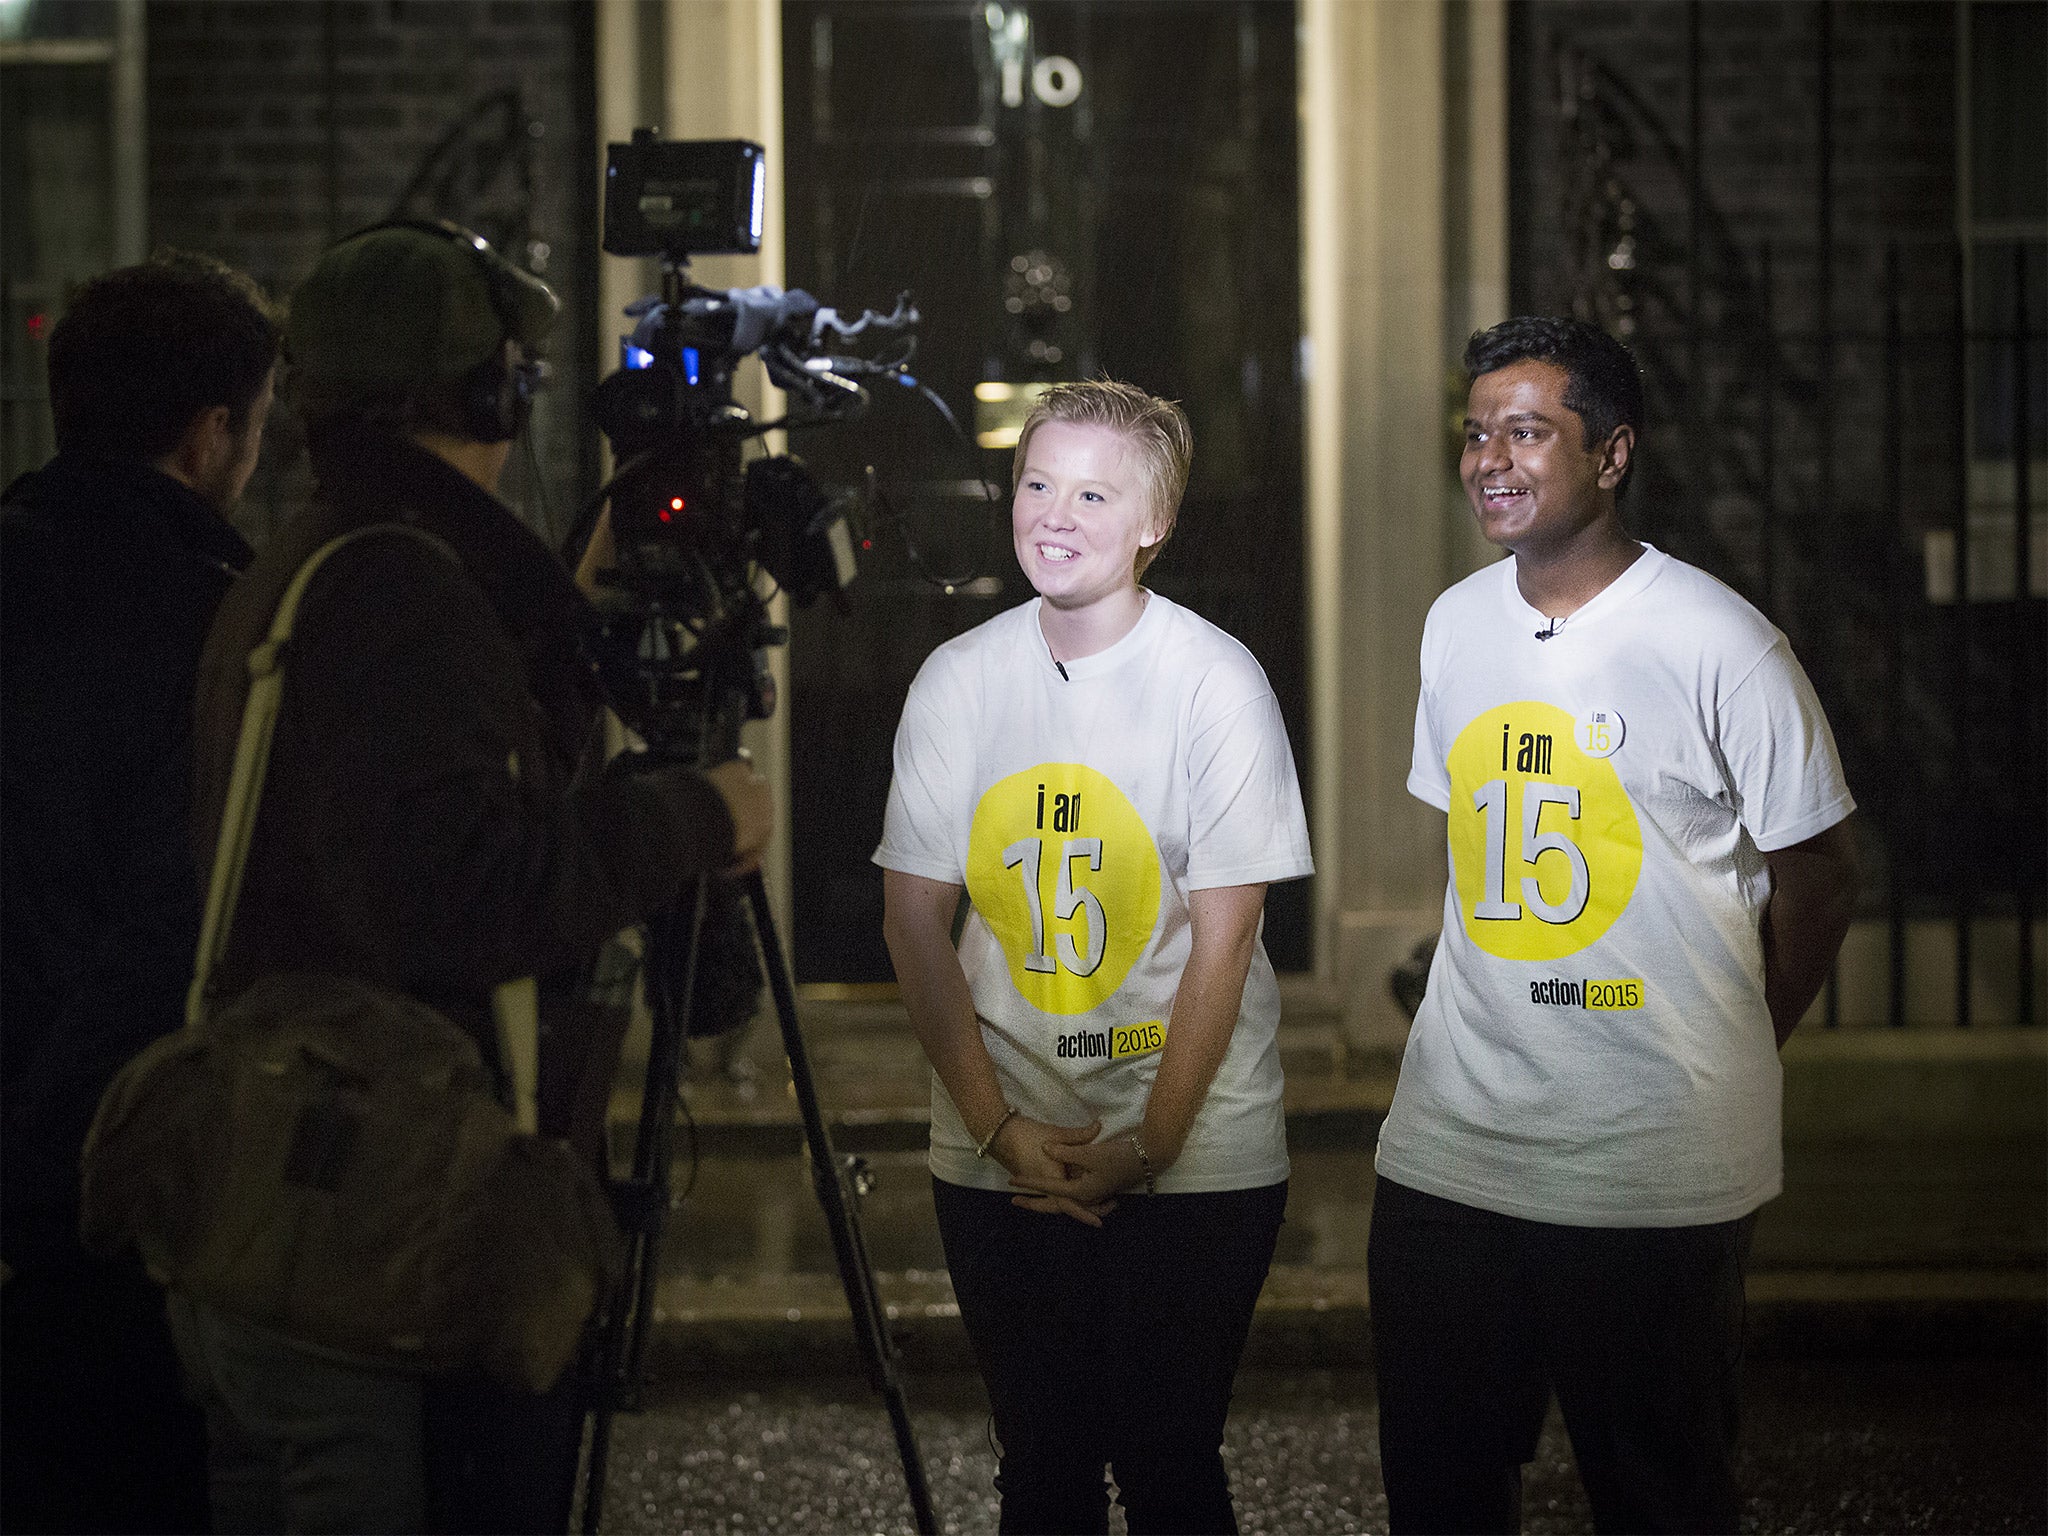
[(1144, 1162), (990, 1139)]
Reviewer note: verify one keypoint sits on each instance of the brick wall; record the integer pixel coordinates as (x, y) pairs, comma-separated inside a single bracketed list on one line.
[(1793, 454), (1891, 122), (277, 125)]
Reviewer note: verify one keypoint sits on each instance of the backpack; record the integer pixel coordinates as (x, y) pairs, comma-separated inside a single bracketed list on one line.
[(328, 1159)]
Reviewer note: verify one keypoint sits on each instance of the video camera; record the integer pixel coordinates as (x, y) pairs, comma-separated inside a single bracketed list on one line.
[(693, 522), (694, 527)]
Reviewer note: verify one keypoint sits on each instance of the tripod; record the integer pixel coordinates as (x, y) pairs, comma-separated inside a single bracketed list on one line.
[(695, 531), (642, 1202)]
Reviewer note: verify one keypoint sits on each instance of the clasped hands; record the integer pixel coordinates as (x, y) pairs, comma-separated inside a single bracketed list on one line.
[(1062, 1170)]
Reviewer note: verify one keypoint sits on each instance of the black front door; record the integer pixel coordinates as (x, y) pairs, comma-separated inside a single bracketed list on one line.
[(1070, 190)]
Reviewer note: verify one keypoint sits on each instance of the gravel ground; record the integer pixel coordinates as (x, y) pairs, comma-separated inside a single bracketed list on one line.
[(1866, 1445)]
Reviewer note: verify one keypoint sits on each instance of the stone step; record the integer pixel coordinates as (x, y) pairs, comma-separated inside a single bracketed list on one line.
[(1309, 1318)]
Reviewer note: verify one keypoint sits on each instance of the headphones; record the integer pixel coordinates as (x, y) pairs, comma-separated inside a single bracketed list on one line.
[(494, 398)]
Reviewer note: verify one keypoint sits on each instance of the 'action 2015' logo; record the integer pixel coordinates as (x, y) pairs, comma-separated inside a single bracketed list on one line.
[(1575, 992), (1119, 1042)]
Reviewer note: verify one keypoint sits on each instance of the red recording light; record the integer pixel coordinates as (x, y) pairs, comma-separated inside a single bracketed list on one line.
[(675, 503), (37, 324)]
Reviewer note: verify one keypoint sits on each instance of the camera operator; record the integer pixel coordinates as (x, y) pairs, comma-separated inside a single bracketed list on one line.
[(113, 558), (434, 821)]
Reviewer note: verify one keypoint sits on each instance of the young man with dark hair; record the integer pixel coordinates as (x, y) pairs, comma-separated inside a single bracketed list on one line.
[(113, 558), (1650, 875), (433, 823), (145, 353)]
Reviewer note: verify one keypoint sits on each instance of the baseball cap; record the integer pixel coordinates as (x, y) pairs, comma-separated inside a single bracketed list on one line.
[(399, 307)]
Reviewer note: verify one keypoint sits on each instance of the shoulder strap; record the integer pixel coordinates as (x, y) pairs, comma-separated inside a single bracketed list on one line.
[(514, 1004), (252, 759)]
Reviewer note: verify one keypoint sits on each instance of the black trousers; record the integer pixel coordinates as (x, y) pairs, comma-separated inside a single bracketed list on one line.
[(1115, 1345), (1478, 1318)]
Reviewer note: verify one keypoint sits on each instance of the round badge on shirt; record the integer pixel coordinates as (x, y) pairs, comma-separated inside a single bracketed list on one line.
[(1599, 732)]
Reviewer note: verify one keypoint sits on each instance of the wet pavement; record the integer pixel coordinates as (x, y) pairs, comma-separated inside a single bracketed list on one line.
[(1877, 1232), (1898, 1322), (1842, 1445)]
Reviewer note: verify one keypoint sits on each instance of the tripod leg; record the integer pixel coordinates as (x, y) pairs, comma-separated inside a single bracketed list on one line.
[(842, 1217), (615, 1372)]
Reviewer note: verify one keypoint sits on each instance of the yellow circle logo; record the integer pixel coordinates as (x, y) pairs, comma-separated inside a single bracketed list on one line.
[(1066, 875), (1544, 843)]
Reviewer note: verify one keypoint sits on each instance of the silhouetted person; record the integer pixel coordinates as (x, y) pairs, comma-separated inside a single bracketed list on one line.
[(432, 822), (113, 558)]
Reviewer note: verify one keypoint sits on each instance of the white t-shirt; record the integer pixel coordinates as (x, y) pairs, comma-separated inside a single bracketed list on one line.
[(1079, 811), (1594, 1047)]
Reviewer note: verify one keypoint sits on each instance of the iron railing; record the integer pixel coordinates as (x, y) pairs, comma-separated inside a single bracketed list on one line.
[(1853, 477)]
